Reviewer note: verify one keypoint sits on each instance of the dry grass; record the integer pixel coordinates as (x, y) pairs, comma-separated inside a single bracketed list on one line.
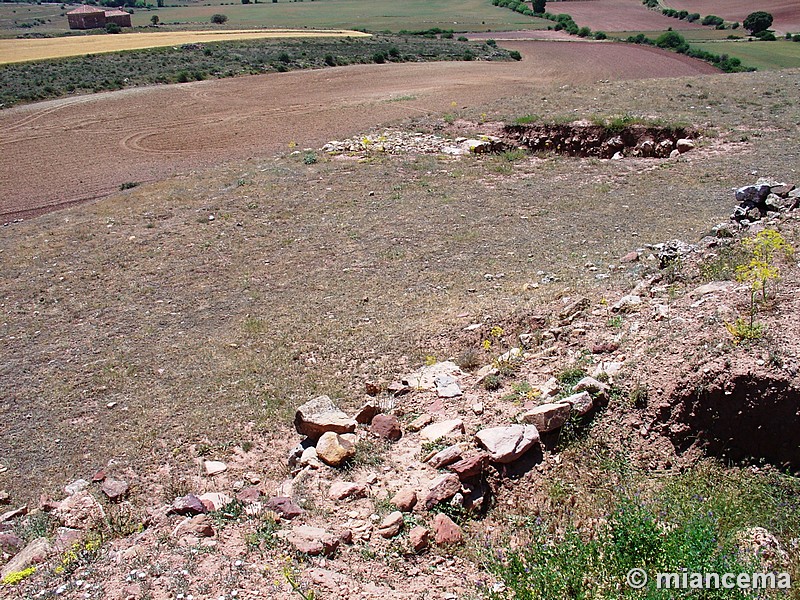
[(304, 283), (24, 50)]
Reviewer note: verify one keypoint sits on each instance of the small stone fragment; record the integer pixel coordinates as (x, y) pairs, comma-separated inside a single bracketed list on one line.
[(80, 511), (405, 500), (188, 505), (470, 466), (368, 412), (442, 488), (581, 402), (115, 489), (321, 415), (284, 506), (333, 449), (342, 490), (391, 525), (214, 467), (386, 427), (547, 417), (76, 486), (419, 538), (198, 525), (446, 531), (443, 429), (420, 422), (507, 444), (445, 457)]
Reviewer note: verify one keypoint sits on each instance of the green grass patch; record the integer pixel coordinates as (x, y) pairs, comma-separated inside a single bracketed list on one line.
[(781, 54)]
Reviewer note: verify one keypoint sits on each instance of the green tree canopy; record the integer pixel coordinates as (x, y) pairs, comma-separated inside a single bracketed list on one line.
[(758, 21)]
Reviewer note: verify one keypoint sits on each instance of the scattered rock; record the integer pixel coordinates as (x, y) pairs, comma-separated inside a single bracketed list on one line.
[(683, 145), (443, 429), (367, 412), (5, 497), (447, 386), (372, 389), (10, 543), (419, 538), (712, 288), (470, 466), (284, 506), (321, 415), (188, 505), (507, 444), (590, 384), (65, 537), (333, 449), (76, 486), (391, 525), (311, 540), (547, 417), (446, 531), (387, 427), (605, 348), (405, 500), (79, 511), (442, 488), (214, 467), (115, 489), (342, 490), (627, 303), (421, 421), (630, 257), (34, 553), (309, 458), (249, 495), (764, 548), (13, 514), (581, 402), (425, 378), (198, 525), (215, 500), (443, 458)]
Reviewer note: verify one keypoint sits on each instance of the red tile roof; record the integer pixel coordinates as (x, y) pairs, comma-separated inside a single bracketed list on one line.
[(85, 10)]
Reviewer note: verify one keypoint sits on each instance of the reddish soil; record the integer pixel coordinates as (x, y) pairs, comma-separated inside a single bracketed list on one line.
[(785, 12), (73, 150), (618, 15)]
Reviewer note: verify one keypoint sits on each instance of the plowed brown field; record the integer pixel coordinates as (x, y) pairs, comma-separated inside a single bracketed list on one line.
[(618, 15), (63, 152), (785, 12)]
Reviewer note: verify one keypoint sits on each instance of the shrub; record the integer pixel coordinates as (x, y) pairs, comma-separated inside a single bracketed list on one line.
[(584, 32), (517, 56), (379, 57), (692, 17), (461, 38), (600, 35), (491, 43), (757, 21), (330, 60), (469, 55), (154, 20), (113, 28), (219, 19), (671, 40), (712, 20), (765, 36), (539, 6)]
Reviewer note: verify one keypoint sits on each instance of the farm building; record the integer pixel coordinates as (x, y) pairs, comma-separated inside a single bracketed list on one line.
[(92, 17)]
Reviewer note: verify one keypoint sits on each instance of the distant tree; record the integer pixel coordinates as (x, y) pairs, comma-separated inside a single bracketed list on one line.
[(154, 19), (538, 6), (219, 19), (757, 21), (113, 28), (245, 1)]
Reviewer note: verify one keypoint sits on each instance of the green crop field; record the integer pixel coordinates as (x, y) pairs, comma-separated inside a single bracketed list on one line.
[(376, 15), (761, 55)]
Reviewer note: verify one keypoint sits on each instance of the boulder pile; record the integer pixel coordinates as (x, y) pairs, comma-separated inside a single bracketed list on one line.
[(401, 142), (764, 199)]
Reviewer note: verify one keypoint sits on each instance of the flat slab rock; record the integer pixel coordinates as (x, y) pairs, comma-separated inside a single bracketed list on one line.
[(507, 444), (311, 540), (443, 429), (425, 378), (321, 415)]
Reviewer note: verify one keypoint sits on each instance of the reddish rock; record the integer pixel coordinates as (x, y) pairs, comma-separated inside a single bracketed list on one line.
[(341, 490), (10, 543), (99, 476), (387, 427), (445, 457), (284, 506), (188, 505), (312, 540), (115, 489), (446, 531), (368, 412), (548, 417), (249, 495), (391, 525), (419, 538), (65, 537), (405, 500), (470, 466), (198, 525), (321, 415), (80, 511), (441, 489), (630, 257), (605, 348), (372, 389), (34, 553)]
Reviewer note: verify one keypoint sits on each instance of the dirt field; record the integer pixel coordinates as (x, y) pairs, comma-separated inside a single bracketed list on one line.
[(785, 12), (106, 140), (618, 15), (14, 51)]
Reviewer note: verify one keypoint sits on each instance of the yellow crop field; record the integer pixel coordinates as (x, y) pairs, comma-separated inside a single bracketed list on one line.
[(23, 50)]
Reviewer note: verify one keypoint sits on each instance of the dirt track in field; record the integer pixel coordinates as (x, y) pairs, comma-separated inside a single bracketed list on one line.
[(63, 152)]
